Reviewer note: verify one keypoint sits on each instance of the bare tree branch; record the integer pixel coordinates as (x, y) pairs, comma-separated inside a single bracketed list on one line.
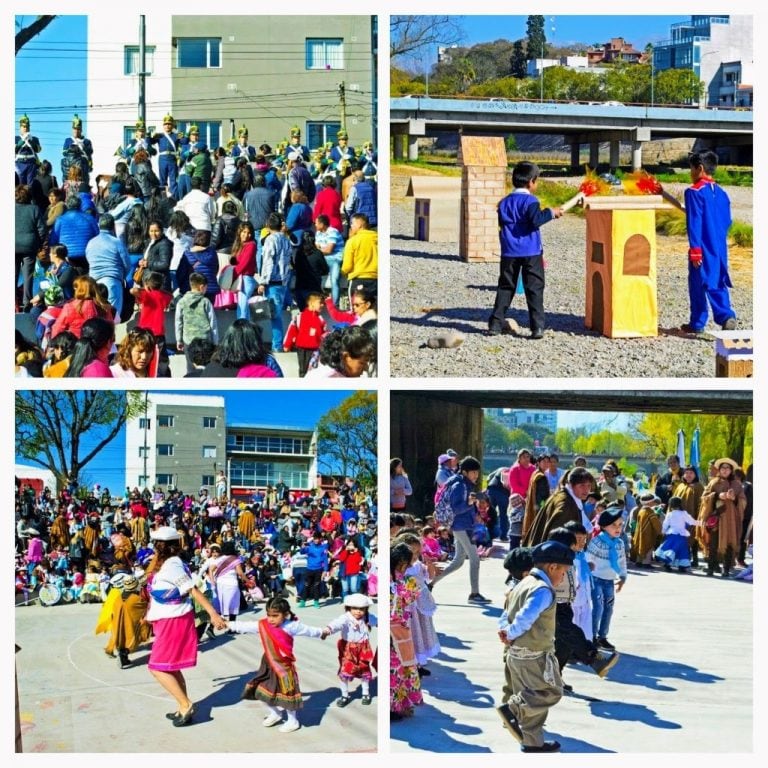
[(24, 35)]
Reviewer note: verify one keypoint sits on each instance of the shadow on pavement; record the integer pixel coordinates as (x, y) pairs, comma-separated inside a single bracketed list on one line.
[(635, 713), (638, 670), (438, 735)]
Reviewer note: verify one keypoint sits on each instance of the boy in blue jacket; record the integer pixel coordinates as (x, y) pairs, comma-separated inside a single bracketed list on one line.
[(520, 218)]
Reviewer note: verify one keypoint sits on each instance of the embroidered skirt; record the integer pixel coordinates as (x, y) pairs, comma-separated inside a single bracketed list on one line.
[(266, 687), (355, 660)]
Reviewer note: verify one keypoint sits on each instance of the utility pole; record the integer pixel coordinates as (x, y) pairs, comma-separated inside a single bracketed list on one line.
[(343, 105), (146, 427), (143, 71)]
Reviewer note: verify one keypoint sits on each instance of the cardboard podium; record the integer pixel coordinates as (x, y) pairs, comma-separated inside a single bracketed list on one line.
[(734, 354), (621, 265), (436, 213)]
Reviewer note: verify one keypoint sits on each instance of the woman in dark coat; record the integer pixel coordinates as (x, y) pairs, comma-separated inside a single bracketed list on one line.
[(157, 257), (30, 236)]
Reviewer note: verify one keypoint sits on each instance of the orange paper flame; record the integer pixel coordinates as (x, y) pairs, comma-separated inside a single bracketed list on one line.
[(594, 185), (641, 183)]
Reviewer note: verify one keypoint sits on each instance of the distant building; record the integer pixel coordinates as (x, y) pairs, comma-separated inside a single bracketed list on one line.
[(222, 71), (535, 66), (615, 50), (183, 441), (720, 52), (514, 418)]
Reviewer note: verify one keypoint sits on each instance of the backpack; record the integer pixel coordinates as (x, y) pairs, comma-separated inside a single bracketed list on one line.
[(444, 512)]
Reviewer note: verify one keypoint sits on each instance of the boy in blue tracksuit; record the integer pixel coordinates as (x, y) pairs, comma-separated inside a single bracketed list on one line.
[(317, 564), (707, 218), (520, 217)]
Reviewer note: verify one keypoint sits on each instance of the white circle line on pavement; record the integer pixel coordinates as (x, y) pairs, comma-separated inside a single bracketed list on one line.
[(104, 682)]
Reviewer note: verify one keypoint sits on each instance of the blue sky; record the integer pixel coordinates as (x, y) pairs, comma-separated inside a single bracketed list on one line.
[(284, 408), (638, 30), (51, 83)]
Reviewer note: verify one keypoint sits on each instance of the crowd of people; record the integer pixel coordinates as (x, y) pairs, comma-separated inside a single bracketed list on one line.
[(172, 568), (568, 538), (264, 233)]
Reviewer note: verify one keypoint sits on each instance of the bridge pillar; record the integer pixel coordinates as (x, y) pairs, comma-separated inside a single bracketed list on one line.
[(397, 146), (575, 156), (637, 155), (615, 155), (413, 147), (594, 154)]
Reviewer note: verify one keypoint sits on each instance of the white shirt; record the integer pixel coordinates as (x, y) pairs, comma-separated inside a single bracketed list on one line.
[(171, 574), (200, 209), (675, 522), (292, 628), (353, 630)]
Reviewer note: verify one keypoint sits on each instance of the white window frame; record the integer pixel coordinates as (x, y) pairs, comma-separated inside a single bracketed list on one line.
[(324, 53), (208, 41)]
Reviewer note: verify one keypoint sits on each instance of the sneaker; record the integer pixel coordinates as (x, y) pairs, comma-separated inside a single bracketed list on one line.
[(271, 720), (476, 597), (547, 746), (603, 642), (289, 726), (602, 664), (316, 603), (302, 603), (729, 324), (509, 721)]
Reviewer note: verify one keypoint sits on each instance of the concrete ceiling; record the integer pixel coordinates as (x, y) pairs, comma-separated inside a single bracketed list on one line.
[(728, 402)]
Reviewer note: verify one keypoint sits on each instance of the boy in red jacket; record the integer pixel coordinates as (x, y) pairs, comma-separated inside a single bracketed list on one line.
[(305, 332)]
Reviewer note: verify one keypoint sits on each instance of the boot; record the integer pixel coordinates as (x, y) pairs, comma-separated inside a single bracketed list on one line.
[(602, 664)]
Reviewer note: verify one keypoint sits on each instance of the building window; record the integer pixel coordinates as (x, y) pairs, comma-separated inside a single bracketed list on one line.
[(165, 449), (132, 63), (325, 53), (145, 423), (210, 133), (258, 474), (199, 52), (165, 421), (207, 480), (209, 451), (209, 422), (319, 134), (163, 479), (143, 451)]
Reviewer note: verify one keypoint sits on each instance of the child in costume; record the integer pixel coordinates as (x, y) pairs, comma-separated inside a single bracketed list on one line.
[(532, 682), (675, 549), (276, 682), (355, 653)]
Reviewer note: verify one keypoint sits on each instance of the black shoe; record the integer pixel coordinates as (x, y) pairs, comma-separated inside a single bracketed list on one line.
[(366, 700), (667, 568), (185, 718), (547, 746), (537, 334), (567, 688), (681, 569), (602, 642), (343, 701), (172, 715), (476, 597), (688, 328), (510, 722), (395, 717), (124, 660), (729, 324), (603, 664), (424, 672), (209, 631)]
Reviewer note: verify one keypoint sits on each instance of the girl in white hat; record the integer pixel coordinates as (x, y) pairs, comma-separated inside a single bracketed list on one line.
[(355, 654)]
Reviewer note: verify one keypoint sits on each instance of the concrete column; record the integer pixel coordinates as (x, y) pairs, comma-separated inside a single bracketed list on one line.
[(397, 146), (594, 154), (637, 155), (615, 155), (575, 160), (413, 147)]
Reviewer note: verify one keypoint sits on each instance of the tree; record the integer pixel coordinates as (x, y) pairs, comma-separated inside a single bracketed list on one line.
[(409, 34), (347, 439), (52, 426), (496, 437), (25, 34), (517, 62), (536, 37), (677, 86)]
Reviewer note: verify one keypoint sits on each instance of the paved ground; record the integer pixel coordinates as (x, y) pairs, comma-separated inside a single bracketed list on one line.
[(73, 698), (683, 683)]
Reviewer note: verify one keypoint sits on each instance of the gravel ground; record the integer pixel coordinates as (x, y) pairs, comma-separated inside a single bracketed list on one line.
[(433, 291)]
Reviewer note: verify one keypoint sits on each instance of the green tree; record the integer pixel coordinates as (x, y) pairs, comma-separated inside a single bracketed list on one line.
[(517, 62), (536, 37), (347, 439), (495, 436), (677, 86), (52, 425)]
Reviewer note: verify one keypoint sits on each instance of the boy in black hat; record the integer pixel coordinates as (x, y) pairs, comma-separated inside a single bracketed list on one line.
[(532, 682), (606, 555)]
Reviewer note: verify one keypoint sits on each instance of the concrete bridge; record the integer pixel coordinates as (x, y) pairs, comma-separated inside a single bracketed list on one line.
[(416, 116)]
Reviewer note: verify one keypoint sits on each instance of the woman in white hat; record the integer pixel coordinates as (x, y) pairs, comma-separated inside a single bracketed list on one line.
[(171, 589), (722, 504)]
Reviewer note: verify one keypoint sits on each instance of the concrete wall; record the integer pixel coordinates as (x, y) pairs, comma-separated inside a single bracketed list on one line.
[(420, 430)]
